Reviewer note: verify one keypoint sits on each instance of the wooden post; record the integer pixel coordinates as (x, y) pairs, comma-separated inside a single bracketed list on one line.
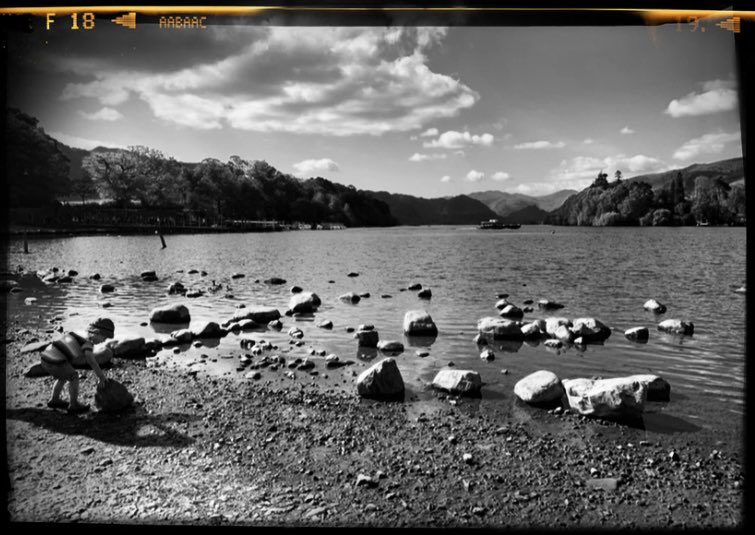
[(162, 240), (26, 244)]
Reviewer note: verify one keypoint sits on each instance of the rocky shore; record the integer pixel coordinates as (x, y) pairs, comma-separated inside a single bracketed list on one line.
[(295, 451)]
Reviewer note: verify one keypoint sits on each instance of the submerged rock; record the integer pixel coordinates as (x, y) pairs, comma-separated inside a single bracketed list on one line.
[(654, 306), (676, 326), (425, 293), (170, 314), (350, 297), (304, 302), (260, 314), (637, 333), (487, 354), (390, 346), (107, 288), (367, 338), (539, 387), (207, 329), (546, 304), (590, 330), (458, 381), (552, 325), (500, 328), (419, 323)]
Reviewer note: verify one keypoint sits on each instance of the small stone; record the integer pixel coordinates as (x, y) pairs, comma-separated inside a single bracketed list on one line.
[(366, 481), (467, 457)]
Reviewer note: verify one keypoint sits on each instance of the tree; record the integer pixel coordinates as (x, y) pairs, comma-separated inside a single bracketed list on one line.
[(617, 174), (83, 186), (601, 181), (37, 171)]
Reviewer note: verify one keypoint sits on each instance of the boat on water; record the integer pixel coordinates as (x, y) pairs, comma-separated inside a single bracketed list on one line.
[(496, 224)]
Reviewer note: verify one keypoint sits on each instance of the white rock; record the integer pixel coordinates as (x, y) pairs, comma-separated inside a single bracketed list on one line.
[(206, 329), (500, 328), (511, 311), (175, 313), (487, 354), (615, 397), (304, 302), (539, 387), (458, 381), (637, 333), (390, 345), (590, 329), (553, 343), (260, 314), (654, 306), (676, 326), (551, 324), (419, 323), (382, 380), (531, 330), (658, 388), (563, 333)]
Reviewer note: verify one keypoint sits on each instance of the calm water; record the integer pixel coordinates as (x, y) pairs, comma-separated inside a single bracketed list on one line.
[(607, 273)]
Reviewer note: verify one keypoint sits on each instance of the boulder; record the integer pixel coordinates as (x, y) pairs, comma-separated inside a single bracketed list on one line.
[(553, 343), (304, 302), (295, 289), (207, 329), (234, 276), (367, 338), (176, 288), (458, 381), (502, 303), (295, 332), (546, 304), (148, 276), (182, 336), (531, 330), (658, 388), (676, 326), (480, 340), (381, 380), (275, 324), (174, 313), (390, 346), (590, 329), (260, 314), (414, 287), (107, 288), (637, 333), (194, 293), (350, 297), (542, 386), (654, 306), (551, 324), (487, 354), (563, 333), (275, 280), (419, 323), (325, 324), (65, 279), (511, 311), (95, 276), (425, 293), (500, 328), (128, 346), (246, 324), (606, 398)]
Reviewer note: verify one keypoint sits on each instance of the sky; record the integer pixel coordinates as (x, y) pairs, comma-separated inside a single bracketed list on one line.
[(424, 111)]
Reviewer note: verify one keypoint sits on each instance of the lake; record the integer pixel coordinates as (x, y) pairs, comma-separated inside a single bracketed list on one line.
[(606, 273)]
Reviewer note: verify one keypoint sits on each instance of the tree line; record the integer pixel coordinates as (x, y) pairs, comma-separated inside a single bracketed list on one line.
[(620, 202), (39, 173)]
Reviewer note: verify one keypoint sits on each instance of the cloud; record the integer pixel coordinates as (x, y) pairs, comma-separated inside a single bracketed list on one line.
[(335, 81), (713, 143), (500, 176), (717, 96), (417, 157), (475, 176), (580, 171), (627, 130), (588, 141), (309, 167), (104, 114), (84, 143), (430, 132), (535, 145), (445, 178), (458, 140)]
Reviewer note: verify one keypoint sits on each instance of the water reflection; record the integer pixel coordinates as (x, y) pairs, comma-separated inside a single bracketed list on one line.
[(366, 353), (419, 341), (167, 328)]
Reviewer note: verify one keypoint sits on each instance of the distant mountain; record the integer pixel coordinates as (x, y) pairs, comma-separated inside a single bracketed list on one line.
[(730, 171), (529, 215), (410, 210), (504, 204)]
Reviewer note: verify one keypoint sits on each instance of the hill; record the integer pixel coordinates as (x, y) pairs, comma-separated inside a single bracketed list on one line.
[(730, 171), (504, 204), (410, 210)]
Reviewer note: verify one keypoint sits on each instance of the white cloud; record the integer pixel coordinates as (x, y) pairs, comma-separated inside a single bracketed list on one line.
[(457, 140), (104, 114), (579, 172), (627, 130), (308, 167), (717, 96), (430, 132), (475, 176), (335, 81), (538, 188), (84, 143), (713, 143), (445, 178), (500, 175), (535, 145), (417, 157), (588, 141)]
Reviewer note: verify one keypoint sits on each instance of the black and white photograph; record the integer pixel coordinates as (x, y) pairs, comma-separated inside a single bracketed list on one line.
[(445, 267)]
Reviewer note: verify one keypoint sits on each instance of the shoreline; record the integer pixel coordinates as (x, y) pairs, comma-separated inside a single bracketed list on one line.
[(208, 450)]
